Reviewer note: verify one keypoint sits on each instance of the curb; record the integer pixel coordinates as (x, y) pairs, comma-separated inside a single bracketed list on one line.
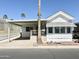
[(43, 47)]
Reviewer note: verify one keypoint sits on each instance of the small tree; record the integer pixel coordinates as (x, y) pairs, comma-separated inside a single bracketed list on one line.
[(5, 16), (23, 15)]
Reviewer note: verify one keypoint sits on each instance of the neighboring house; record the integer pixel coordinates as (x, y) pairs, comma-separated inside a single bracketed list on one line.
[(8, 31), (76, 31), (56, 28)]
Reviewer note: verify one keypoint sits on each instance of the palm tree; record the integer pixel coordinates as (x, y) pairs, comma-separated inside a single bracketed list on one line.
[(5, 16), (11, 19), (23, 15), (39, 40)]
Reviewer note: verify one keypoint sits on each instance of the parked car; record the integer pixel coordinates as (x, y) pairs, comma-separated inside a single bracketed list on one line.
[(76, 33)]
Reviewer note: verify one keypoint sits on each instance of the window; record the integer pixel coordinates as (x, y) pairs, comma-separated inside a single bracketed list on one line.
[(57, 30), (27, 28), (68, 30), (50, 30), (62, 29)]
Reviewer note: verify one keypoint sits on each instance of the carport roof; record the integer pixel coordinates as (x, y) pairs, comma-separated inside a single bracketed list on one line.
[(25, 22)]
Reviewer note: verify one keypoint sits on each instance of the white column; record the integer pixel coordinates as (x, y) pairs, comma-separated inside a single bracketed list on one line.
[(46, 30), (30, 33), (53, 30), (9, 32), (71, 29), (65, 30), (59, 30)]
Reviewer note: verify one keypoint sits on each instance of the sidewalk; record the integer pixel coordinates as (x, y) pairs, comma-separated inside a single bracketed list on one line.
[(39, 47), (26, 44)]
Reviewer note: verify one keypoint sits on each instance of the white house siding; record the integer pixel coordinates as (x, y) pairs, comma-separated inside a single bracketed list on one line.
[(24, 33), (59, 37), (59, 19)]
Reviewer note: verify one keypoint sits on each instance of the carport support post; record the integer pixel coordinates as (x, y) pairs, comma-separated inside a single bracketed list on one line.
[(8, 32), (39, 41)]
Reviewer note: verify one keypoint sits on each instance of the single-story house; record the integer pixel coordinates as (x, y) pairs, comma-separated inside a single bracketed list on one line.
[(56, 28)]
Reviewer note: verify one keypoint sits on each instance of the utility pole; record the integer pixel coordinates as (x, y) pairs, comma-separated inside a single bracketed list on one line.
[(39, 40)]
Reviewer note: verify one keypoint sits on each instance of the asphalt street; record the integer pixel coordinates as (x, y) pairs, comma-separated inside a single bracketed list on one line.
[(39, 53)]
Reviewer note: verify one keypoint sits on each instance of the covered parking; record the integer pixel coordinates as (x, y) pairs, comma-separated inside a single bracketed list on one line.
[(29, 28)]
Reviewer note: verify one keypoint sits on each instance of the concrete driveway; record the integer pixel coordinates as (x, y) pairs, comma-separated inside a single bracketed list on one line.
[(39, 54), (17, 43)]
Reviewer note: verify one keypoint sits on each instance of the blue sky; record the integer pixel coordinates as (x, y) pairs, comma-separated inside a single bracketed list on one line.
[(13, 8)]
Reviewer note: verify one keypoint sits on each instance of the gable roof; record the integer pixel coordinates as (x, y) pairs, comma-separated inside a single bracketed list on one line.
[(61, 13)]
